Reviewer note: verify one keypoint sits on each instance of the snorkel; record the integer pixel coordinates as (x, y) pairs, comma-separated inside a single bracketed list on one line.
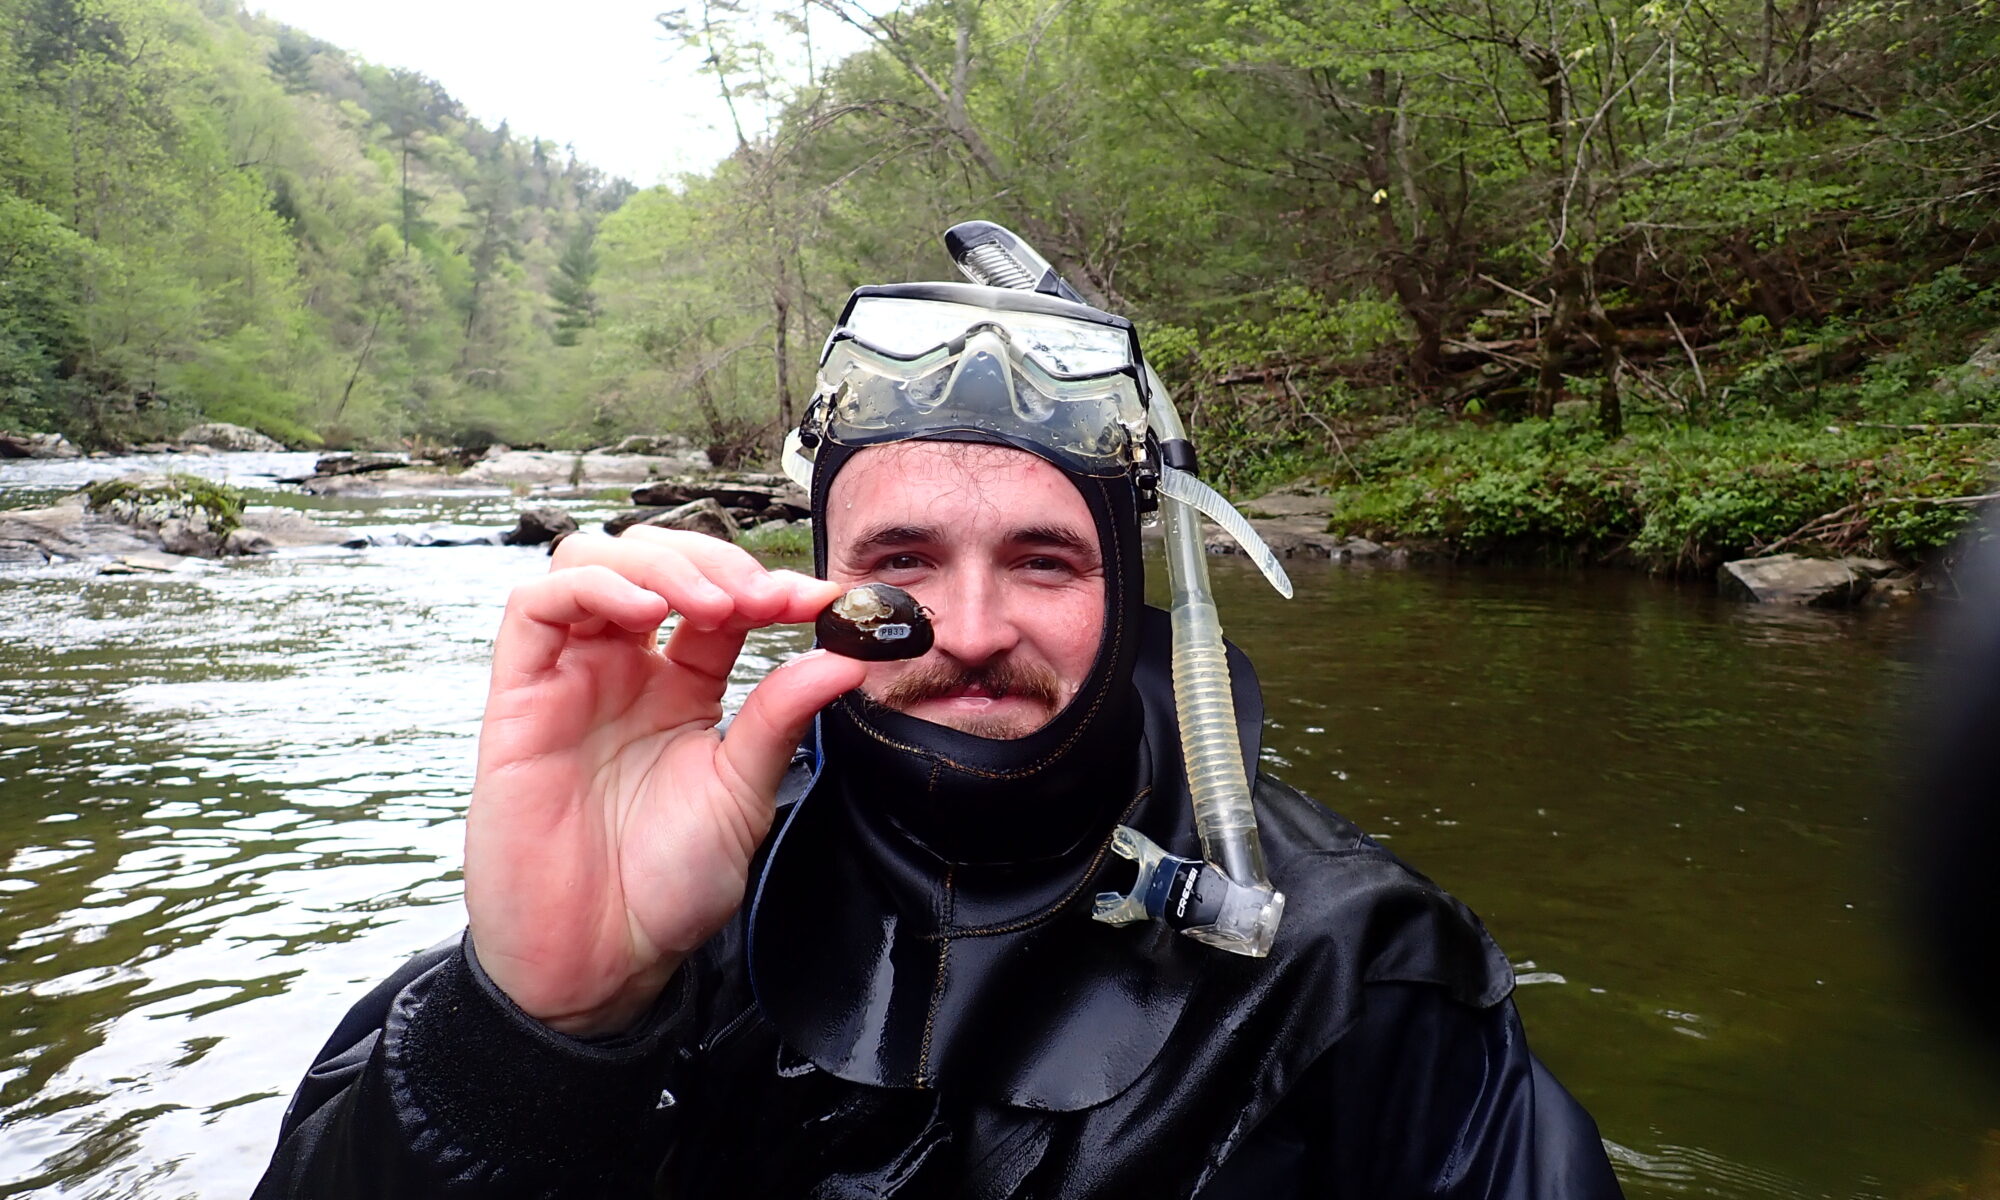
[(1225, 899)]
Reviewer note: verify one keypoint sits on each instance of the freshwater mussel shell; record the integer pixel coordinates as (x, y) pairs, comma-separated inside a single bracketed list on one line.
[(875, 623)]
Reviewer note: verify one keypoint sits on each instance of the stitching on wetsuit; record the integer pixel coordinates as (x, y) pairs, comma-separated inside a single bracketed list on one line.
[(1083, 880), (937, 988)]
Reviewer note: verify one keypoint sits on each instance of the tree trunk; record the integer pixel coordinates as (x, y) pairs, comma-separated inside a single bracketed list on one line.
[(1611, 406), (1398, 266)]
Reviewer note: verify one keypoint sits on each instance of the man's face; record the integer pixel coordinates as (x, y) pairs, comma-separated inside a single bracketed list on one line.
[(1000, 547)]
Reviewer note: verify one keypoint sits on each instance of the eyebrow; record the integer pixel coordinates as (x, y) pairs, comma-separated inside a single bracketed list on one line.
[(884, 537)]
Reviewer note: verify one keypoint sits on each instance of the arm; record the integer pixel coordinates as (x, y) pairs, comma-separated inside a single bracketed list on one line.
[(611, 832), (435, 1084)]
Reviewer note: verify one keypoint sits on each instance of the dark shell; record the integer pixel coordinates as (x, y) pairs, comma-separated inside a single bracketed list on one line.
[(875, 623)]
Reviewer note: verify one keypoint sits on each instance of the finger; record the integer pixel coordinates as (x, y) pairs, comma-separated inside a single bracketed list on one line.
[(759, 744), (665, 569), (543, 615), (709, 655), (762, 596)]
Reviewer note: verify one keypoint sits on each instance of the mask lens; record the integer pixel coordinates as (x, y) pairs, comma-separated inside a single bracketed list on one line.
[(903, 367)]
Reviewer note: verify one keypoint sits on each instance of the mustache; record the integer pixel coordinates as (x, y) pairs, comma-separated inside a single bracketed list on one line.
[(1002, 678)]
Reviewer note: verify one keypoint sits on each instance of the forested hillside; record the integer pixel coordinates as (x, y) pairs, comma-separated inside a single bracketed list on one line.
[(206, 214), (1652, 278)]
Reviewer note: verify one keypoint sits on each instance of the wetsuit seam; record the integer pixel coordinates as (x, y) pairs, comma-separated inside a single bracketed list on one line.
[(1083, 881), (937, 987)]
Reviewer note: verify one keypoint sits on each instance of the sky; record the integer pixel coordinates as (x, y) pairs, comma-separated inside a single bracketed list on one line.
[(597, 74)]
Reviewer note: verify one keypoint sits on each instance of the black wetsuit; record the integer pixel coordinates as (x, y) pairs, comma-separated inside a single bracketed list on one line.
[(943, 1019)]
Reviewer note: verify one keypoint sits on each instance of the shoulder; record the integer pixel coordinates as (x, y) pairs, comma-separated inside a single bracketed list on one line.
[(1347, 896)]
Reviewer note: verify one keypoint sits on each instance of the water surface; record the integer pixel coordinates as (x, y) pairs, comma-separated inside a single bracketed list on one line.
[(230, 800)]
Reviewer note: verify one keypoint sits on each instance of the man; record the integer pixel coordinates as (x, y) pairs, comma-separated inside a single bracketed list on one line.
[(901, 992)]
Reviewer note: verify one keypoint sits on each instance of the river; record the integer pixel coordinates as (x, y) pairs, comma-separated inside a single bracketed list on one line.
[(230, 800)]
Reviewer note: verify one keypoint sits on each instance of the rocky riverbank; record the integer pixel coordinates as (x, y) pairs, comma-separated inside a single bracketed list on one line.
[(146, 520)]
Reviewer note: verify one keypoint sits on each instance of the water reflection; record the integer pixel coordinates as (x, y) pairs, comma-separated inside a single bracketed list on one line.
[(229, 802)]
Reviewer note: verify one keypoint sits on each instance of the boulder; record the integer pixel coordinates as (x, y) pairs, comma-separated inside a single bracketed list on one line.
[(1797, 580), (559, 468), (662, 444), (18, 552), (220, 435), (534, 526), (146, 564), (398, 480), (283, 527), (191, 538), (624, 521), (1303, 536), (1979, 373), (357, 464), (247, 541), (763, 497), (698, 516), (187, 515), (37, 445), (439, 533)]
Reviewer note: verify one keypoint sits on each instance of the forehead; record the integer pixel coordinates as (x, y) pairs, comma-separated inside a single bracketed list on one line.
[(964, 487)]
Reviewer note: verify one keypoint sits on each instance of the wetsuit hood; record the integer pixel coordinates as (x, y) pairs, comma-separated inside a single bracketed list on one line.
[(973, 799)]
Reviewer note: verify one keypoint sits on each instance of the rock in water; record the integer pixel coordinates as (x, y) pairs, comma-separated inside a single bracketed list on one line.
[(766, 496), (221, 435), (189, 515), (346, 463), (699, 516), (37, 445), (1795, 579), (542, 523)]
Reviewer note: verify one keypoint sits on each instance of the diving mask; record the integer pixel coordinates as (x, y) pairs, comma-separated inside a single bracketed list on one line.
[(930, 359)]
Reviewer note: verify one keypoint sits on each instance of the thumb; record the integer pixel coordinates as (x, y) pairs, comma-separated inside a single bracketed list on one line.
[(759, 744)]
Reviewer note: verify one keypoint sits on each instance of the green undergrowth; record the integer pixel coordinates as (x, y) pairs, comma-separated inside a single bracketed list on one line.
[(794, 541), (1676, 499)]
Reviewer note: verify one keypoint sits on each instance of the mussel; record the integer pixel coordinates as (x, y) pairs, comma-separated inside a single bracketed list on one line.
[(876, 623)]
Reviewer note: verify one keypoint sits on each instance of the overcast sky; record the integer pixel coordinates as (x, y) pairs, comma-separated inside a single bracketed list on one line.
[(599, 74)]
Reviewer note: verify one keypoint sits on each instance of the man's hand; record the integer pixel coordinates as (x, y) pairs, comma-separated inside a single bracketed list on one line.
[(612, 827)]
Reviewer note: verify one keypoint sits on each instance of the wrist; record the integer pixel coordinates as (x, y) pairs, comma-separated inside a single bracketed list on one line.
[(623, 1012), (608, 1017)]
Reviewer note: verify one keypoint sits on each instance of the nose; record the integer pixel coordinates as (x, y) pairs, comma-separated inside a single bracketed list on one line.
[(973, 618)]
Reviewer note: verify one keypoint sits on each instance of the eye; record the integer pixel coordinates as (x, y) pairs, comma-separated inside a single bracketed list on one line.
[(900, 562), (1050, 565)]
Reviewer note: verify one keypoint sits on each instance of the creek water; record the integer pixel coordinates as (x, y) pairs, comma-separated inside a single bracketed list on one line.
[(230, 800)]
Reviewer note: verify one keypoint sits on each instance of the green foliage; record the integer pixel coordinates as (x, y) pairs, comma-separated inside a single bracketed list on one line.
[(1675, 499), (206, 214), (788, 544)]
